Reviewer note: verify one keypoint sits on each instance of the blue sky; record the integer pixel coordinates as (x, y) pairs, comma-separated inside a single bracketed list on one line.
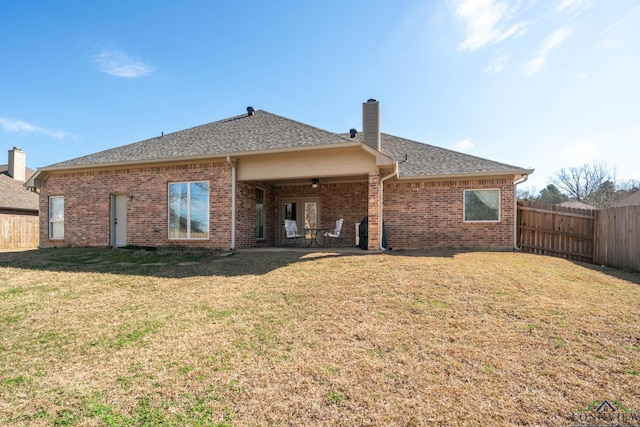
[(543, 84)]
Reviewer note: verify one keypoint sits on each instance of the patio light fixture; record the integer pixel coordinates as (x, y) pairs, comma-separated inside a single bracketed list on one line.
[(315, 182)]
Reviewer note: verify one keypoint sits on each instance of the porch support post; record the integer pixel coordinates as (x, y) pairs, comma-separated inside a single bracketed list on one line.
[(374, 212)]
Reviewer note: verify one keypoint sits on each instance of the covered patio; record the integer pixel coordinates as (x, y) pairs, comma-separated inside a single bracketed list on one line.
[(315, 188)]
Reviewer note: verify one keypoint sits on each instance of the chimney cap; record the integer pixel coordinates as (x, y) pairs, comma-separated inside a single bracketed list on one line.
[(17, 148), (371, 100)]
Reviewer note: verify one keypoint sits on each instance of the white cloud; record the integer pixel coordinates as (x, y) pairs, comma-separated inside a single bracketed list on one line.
[(610, 33), (551, 42), (464, 145), (487, 23), (572, 4), (19, 126), (497, 64), (583, 75), (608, 44), (119, 64)]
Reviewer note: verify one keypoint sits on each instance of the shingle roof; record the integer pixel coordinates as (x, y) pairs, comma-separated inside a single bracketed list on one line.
[(426, 160), (13, 194), (241, 134), (576, 205), (264, 131), (631, 200)]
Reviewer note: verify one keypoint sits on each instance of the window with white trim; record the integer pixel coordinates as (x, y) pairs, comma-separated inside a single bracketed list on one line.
[(482, 205), (56, 217), (189, 210)]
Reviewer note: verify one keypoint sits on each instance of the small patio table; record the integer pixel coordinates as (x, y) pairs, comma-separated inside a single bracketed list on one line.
[(314, 232)]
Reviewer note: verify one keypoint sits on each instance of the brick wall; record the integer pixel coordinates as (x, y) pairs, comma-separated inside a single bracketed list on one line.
[(430, 214), (416, 214), (246, 215), (373, 223), (87, 204)]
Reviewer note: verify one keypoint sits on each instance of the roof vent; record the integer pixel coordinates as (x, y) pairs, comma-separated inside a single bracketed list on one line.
[(250, 111), (353, 133)]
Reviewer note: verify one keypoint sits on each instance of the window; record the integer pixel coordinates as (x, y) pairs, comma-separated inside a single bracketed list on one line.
[(259, 213), (56, 217), (482, 205), (189, 210)]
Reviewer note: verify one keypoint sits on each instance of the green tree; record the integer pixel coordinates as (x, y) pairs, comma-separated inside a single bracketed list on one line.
[(551, 194)]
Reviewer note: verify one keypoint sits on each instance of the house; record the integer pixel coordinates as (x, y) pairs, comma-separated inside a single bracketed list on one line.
[(632, 199), (18, 206), (233, 182)]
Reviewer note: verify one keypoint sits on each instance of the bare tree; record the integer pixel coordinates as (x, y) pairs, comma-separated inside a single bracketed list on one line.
[(582, 183)]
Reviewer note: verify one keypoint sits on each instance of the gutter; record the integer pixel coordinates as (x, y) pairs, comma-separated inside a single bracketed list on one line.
[(467, 175), (522, 180), (233, 203), (380, 214)]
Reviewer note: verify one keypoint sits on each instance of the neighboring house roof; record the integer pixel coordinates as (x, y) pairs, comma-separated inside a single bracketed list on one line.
[(429, 161), (576, 205), (14, 195), (265, 132), (631, 200)]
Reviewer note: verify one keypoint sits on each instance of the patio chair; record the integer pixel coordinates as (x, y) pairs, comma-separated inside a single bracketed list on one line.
[(336, 232), (291, 231)]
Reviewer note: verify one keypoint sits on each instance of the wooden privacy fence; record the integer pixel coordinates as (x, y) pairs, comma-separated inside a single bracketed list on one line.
[(608, 236), (556, 230), (19, 231), (617, 237)]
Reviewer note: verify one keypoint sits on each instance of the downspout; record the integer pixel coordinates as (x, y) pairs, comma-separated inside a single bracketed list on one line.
[(515, 211), (233, 203), (381, 229)]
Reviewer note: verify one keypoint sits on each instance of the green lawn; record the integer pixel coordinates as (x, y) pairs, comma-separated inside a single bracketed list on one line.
[(136, 337)]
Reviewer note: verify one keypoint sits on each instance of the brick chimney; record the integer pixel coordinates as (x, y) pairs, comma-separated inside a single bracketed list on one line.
[(17, 164), (371, 123)]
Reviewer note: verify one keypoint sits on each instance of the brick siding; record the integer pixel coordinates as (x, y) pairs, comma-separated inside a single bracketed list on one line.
[(87, 204), (430, 215), (246, 215), (374, 212), (422, 214)]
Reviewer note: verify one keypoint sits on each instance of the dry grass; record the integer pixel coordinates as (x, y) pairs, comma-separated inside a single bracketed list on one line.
[(117, 337)]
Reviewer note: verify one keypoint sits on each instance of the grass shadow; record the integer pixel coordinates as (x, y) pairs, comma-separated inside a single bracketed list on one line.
[(160, 262), (618, 273)]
